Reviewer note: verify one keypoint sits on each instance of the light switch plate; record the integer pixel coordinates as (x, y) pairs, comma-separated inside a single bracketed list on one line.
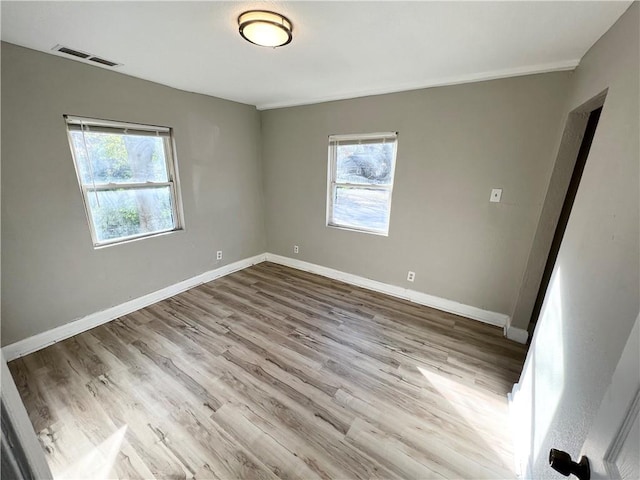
[(496, 195)]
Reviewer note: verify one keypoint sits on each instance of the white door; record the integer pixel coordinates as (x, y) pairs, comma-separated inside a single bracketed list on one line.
[(613, 443)]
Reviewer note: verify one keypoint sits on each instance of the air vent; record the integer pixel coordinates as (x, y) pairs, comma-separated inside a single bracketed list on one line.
[(85, 56), (70, 51), (102, 61)]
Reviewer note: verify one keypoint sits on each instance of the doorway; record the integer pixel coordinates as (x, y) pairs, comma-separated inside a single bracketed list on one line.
[(565, 212)]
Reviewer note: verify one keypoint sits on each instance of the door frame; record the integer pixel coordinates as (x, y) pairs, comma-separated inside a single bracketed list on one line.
[(619, 408), (19, 419), (573, 134)]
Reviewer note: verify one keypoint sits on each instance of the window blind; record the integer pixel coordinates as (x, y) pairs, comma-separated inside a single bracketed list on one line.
[(105, 126), (360, 139)]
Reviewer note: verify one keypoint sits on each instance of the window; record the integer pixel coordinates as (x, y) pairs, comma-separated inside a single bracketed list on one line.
[(361, 171), (128, 178)]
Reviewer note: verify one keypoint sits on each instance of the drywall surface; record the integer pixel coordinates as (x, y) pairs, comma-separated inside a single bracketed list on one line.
[(51, 272), (454, 145), (548, 221), (594, 293)]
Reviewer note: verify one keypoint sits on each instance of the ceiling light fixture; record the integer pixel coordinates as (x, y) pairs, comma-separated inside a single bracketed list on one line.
[(267, 29)]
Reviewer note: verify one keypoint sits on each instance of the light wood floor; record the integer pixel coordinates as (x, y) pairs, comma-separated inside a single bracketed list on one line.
[(275, 373)]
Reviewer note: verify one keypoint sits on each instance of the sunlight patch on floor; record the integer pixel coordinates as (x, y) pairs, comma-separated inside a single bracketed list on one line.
[(473, 410), (97, 463)]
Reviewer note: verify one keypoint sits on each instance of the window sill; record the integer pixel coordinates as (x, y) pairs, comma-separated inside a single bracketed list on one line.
[(358, 230), (100, 246)]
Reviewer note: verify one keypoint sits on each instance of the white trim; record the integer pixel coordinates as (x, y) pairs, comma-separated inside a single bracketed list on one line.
[(521, 460), (344, 137), (44, 339), (96, 122), (611, 457), (169, 147), (617, 409), (485, 316), (456, 80), (516, 334), (358, 230), (21, 424), (333, 184)]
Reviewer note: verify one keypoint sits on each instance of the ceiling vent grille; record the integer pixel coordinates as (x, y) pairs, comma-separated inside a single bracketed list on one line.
[(84, 56), (70, 51), (102, 61)]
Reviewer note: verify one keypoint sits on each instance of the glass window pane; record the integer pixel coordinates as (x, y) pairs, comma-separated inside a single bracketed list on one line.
[(127, 212), (361, 208), (116, 158), (367, 163)]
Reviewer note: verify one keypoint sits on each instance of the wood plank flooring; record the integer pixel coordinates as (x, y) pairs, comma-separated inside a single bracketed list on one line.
[(275, 373)]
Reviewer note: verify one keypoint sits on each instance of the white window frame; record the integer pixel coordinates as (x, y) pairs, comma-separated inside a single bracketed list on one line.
[(92, 124), (332, 183)]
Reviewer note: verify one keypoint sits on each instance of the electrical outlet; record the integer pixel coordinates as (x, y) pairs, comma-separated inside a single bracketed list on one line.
[(496, 195), (411, 276), (296, 249), (219, 255)]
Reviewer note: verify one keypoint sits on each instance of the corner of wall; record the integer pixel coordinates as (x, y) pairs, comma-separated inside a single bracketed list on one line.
[(516, 334)]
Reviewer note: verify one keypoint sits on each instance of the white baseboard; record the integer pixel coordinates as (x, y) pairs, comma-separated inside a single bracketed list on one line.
[(44, 339), (485, 316), (516, 334)]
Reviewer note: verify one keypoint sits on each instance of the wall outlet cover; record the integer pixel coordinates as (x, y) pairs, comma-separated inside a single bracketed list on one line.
[(496, 195)]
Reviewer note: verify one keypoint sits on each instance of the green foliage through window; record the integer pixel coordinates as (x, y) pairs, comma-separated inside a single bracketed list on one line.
[(126, 180)]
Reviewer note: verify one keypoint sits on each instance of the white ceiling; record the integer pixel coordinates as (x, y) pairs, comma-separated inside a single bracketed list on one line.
[(339, 50)]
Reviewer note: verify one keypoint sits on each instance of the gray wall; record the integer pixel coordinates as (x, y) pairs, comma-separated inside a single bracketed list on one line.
[(455, 144), (547, 223), (51, 273), (594, 295)]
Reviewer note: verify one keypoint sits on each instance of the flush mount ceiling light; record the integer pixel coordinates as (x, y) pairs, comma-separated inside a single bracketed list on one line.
[(267, 29)]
